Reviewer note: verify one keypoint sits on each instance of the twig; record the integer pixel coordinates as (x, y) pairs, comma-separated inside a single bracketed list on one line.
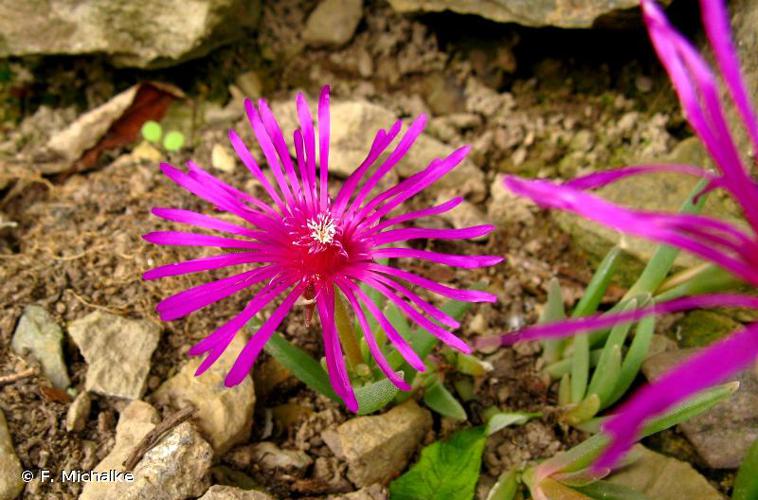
[(152, 437), (14, 377)]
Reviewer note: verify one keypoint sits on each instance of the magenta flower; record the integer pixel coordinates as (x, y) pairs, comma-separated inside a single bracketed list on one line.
[(305, 245), (730, 247)]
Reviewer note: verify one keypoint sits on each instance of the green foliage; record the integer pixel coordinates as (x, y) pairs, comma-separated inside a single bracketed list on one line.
[(301, 364), (746, 482), (152, 131), (439, 399), (446, 469), (173, 141)]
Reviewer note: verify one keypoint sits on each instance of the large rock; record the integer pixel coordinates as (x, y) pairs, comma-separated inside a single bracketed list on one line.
[(133, 33), (117, 351), (10, 467), (377, 448), (219, 492), (333, 22), (575, 14), (224, 414), (662, 478), (175, 468), (37, 334), (354, 124), (723, 434)]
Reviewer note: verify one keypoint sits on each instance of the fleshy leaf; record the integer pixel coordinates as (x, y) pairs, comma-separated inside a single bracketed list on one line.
[(746, 482), (553, 311), (375, 396), (446, 469), (301, 364), (506, 486), (606, 489), (500, 421), (439, 399)]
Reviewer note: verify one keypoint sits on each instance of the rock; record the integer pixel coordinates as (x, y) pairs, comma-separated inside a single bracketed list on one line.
[(10, 467), (175, 468), (224, 414), (700, 328), (38, 335), (657, 192), (506, 208), (218, 492), (333, 22), (377, 448), (78, 412), (723, 434), (534, 13), (144, 151), (138, 34), (354, 124), (373, 492), (663, 478), (117, 351), (222, 159), (271, 457)]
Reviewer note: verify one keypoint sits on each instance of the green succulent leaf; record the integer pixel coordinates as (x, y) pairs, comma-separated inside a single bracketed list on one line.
[(375, 396), (746, 482), (173, 141), (446, 469), (611, 491), (553, 311), (301, 364), (439, 399), (152, 131), (500, 421), (506, 486)]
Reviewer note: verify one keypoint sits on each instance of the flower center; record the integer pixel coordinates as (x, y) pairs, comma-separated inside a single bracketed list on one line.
[(322, 228)]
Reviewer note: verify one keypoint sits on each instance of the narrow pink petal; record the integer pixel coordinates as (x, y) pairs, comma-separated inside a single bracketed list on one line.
[(603, 178), (204, 177), (411, 186), (373, 347), (709, 367), (178, 238), (190, 300), (425, 306), (716, 22), (418, 214), (201, 220), (464, 261), (277, 138), (417, 233), (381, 141), (252, 349), (309, 138), (397, 154), (244, 154), (573, 326), (204, 264), (264, 141), (648, 225), (217, 343), (445, 336), (433, 286), (323, 145), (308, 191), (395, 338)]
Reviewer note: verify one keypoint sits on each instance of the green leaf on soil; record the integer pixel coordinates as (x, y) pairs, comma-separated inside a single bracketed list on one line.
[(173, 141), (373, 397), (552, 349), (446, 469), (301, 364), (152, 131), (746, 482), (500, 421), (439, 399), (506, 486)]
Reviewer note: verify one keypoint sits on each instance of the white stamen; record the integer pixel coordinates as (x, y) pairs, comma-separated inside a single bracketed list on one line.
[(322, 228)]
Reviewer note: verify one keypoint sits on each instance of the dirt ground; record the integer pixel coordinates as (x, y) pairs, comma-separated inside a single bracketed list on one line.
[(77, 247)]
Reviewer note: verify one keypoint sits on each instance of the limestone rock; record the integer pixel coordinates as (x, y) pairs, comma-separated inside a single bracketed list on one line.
[(270, 457), (10, 467), (663, 478), (224, 414), (354, 124), (133, 33), (175, 468), (723, 434), (333, 22), (582, 14), (218, 492), (78, 412), (117, 351), (38, 335), (376, 448), (464, 215), (506, 208)]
